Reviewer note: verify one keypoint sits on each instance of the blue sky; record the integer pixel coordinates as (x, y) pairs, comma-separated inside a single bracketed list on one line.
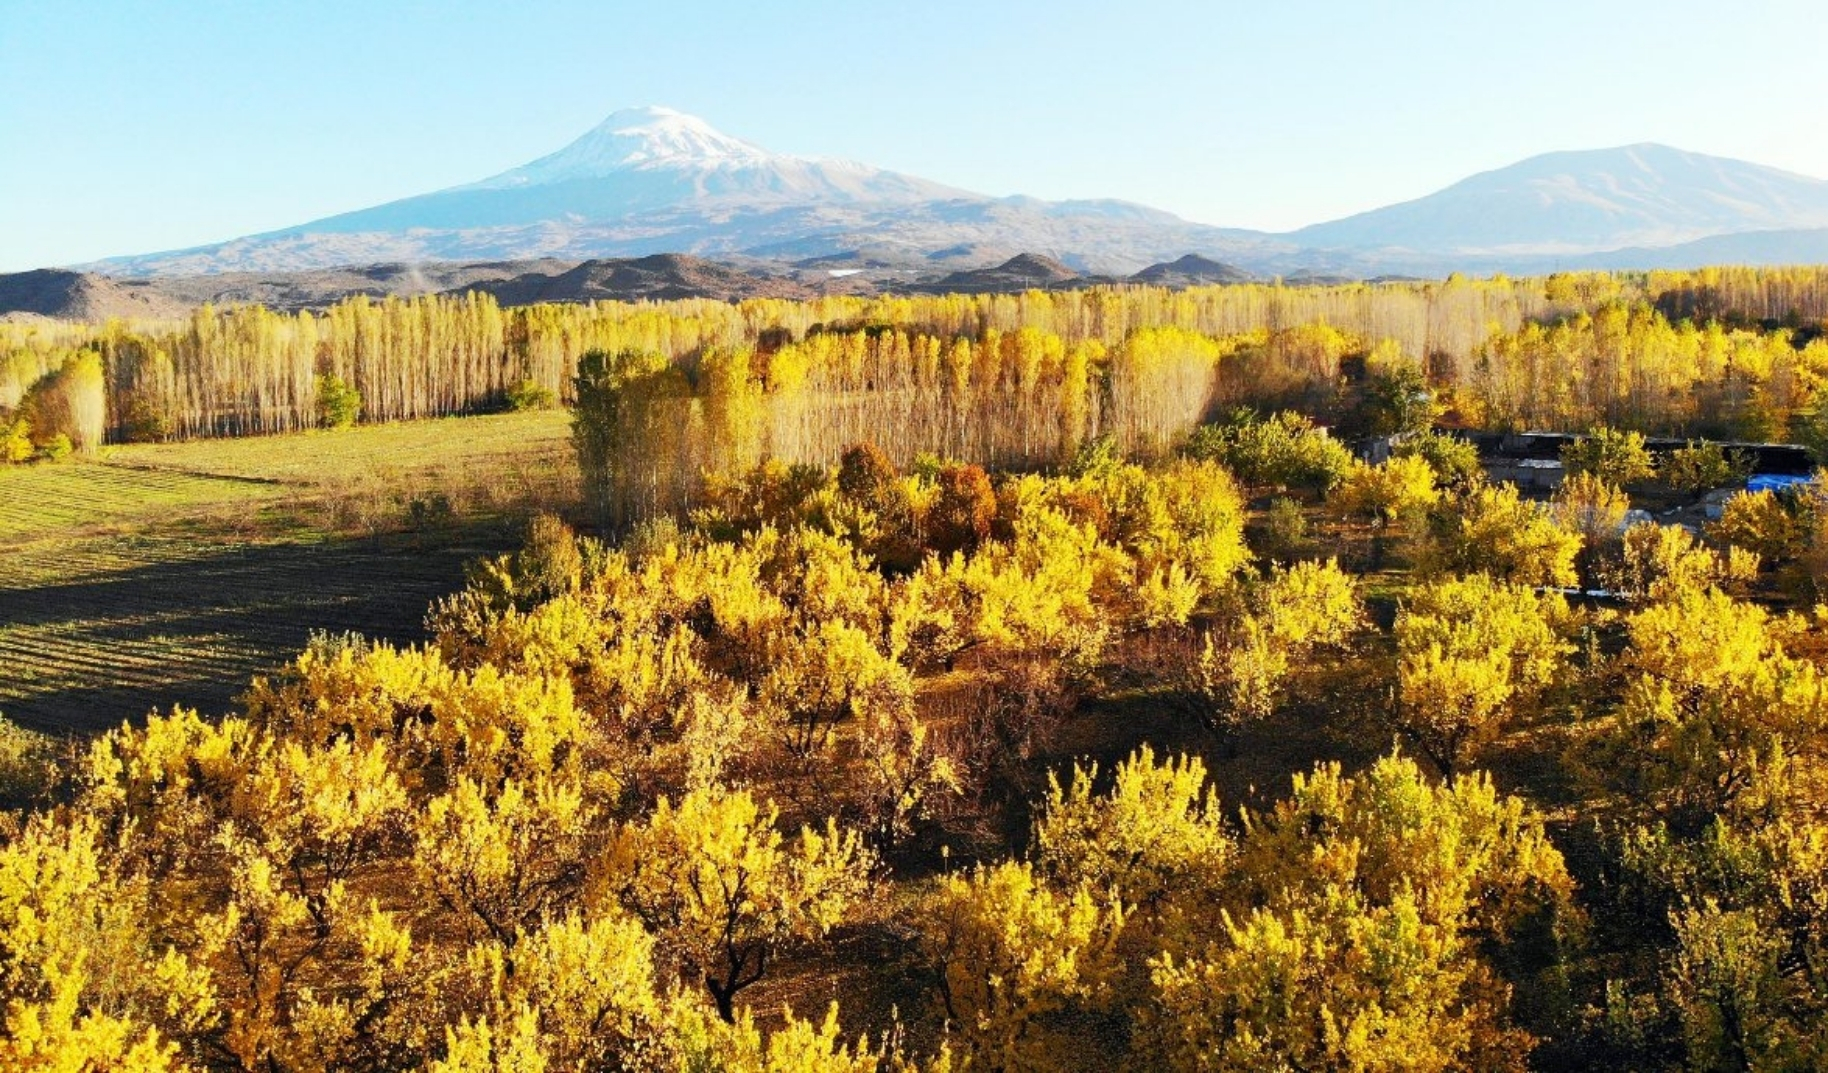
[(128, 127)]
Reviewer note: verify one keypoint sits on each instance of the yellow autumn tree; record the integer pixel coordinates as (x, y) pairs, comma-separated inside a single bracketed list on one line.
[(1492, 529), (1470, 652), (1157, 827), (1241, 668), (1351, 936), (1390, 493), (84, 984), (724, 891), (1015, 958), (1717, 717)]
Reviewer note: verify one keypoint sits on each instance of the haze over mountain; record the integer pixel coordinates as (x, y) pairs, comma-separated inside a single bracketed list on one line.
[(653, 180), (1587, 202)]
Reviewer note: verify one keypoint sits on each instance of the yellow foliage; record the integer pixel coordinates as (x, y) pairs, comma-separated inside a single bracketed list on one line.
[(1700, 641), (1715, 709), (1761, 524), (1207, 513), (15, 438), (637, 683), (1351, 945), (1032, 596), (833, 675), (46, 1038), (723, 890), (364, 692), (161, 789), (1348, 987), (1589, 504), (1400, 488), (1309, 604), (477, 1046), (1241, 680), (1469, 651), (1012, 954), (375, 1008), (1155, 834), (798, 1046), (504, 856), (1491, 529), (903, 772), (82, 985), (1166, 597), (1467, 854), (586, 982), (492, 723), (1240, 671), (1660, 562)]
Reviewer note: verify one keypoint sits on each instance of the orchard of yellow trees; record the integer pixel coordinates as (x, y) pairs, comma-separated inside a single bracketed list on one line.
[(788, 785), (944, 694)]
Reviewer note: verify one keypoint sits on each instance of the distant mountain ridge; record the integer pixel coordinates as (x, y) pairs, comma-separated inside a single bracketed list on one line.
[(1574, 203), (652, 180), (658, 278), (64, 295)]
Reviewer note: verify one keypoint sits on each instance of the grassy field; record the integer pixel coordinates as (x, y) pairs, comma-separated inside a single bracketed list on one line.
[(164, 574)]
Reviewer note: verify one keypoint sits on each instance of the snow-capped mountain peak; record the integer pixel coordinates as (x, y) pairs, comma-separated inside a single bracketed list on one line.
[(652, 180), (634, 138)]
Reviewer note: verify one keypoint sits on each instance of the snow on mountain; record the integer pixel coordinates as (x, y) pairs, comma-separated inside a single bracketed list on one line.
[(654, 180), (662, 142), (633, 138)]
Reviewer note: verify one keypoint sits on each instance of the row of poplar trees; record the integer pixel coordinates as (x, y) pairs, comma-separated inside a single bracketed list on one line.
[(249, 370)]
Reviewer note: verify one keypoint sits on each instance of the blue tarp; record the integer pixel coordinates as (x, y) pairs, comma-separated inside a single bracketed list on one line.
[(1774, 482)]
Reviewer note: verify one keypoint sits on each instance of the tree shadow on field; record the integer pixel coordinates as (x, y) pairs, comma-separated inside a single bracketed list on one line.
[(82, 655)]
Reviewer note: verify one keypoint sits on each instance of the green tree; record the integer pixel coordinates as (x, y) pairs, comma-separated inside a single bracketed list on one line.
[(339, 404), (1455, 461), (1702, 466), (1398, 400), (1283, 451), (1616, 456)]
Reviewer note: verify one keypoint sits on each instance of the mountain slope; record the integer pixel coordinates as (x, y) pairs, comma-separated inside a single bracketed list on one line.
[(1191, 271), (1023, 272), (54, 292), (640, 161), (652, 180), (659, 278), (1796, 247), (1582, 202), (65, 295)]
